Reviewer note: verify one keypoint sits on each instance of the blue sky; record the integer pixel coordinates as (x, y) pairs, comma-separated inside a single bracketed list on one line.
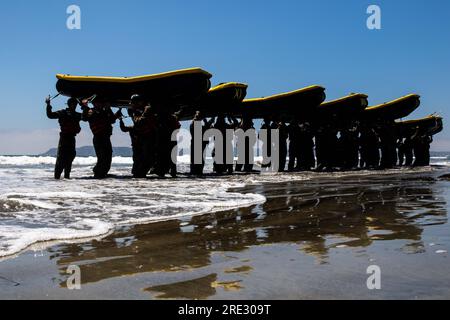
[(274, 46)]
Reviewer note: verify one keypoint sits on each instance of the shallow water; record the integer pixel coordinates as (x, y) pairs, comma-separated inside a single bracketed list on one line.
[(35, 208)]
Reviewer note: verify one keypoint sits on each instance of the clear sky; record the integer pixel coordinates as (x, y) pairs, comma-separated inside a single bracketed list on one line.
[(274, 46)]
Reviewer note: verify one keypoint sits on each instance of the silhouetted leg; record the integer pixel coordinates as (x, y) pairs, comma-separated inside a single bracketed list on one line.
[(103, 150), (70, 156), (292, 156), (59, 168)]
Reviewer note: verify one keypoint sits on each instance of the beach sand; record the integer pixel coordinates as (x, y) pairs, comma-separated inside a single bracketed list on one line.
[(310, 240)]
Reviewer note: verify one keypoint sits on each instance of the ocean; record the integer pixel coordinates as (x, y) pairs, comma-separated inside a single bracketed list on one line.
[(37, 210)]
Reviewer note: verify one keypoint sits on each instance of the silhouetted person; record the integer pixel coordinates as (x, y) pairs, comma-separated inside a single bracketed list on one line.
[(244, 162), (174, 125), (326, 148), (349, 141), (320, 138), (306, 145), (421, 146), (266, 125), (427, 141), (369, 146), (387, 135), (167, 123), (283, 135), (407, 147), (400, 151), (223, 126), (69, 121), (100, 119), (294, 145), (145, 132), (131, 131), (197, 168)]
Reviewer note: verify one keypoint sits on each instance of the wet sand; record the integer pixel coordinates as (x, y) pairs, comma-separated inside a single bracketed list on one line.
[(310, 240)]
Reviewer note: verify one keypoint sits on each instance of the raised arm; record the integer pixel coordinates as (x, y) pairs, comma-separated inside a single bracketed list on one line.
[(86, 114), (50, 113), (113, 116), (145, 117), (123, 127)]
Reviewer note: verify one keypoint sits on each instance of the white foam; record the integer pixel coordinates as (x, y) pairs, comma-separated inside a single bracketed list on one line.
[(26, 160), (15, 238), (47, 195), (38, 204), (36, 161), (441, 163), (61, 210), (79, 161), (86, 161)]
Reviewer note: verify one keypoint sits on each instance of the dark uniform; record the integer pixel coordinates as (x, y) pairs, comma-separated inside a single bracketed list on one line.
[(321, 141), (427, 141), (100, 121), (245, 163), (407, 148), (306, 147), (400, 152), (197, 168), (69, 121), (283, 136), (326, 147), (145, 131), (294, 146), (369, 146), (166, 125), (133, 136), (222, 126), (387, 136), (349, 141), (421, 146), (268, 143)]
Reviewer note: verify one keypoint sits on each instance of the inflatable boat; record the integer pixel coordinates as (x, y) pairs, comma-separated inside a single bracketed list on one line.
[(431, 125), (174, 87), (348, 107), (225, 98), (300, 103), (396, 109)]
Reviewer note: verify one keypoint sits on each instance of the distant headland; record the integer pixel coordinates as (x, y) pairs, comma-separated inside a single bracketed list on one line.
[(88, 151)]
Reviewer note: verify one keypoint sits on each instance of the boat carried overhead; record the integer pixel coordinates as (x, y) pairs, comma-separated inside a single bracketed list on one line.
[(430, 125), (174, 87), (300, 103), (396, 109), (346, 108)]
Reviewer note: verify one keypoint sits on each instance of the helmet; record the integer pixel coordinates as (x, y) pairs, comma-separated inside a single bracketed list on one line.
[(137, 98), (72, 101)]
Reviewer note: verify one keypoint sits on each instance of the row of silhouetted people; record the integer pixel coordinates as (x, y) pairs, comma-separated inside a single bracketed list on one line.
[(150, 133), (301, 145)]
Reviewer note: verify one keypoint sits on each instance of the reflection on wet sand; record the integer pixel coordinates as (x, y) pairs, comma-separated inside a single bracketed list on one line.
[(200, 288), (316, 215)]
